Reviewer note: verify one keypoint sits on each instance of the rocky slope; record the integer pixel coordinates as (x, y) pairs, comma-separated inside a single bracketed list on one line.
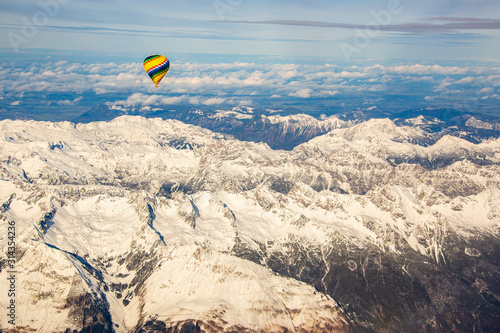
[(147, 225)]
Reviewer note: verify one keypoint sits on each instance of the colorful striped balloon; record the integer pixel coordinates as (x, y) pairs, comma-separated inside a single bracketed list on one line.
[(156, 66)]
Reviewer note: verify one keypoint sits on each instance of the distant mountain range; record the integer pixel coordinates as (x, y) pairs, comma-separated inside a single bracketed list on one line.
[(287, 129)]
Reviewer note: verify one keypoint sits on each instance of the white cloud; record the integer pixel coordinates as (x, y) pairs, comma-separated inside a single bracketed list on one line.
[(467, 80), (377, 87), (423, 69), (245, 102), (49, 73), (417, 78), (135, 99), (214, 101), (141, 100), (302, 93), (455, 91), (68, 102), (284, 67), (288, 74), (351, 75), (443, 86), (194, 100), (328, 93)]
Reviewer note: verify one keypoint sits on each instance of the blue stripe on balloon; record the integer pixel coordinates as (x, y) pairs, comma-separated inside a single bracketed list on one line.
[(157, 66), (159, 69)]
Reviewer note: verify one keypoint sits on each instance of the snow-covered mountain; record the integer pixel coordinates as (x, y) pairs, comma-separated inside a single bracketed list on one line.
[(289, 127), (150, 225), (277, 130)]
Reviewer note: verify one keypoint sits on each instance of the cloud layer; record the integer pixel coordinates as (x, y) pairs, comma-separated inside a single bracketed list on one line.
[(126, 85)]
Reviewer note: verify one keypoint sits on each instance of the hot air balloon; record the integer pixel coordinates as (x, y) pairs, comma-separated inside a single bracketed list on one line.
[(156, 66)]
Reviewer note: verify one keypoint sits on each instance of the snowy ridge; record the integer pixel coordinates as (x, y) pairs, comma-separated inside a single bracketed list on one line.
[(381, 139), (157, 223)]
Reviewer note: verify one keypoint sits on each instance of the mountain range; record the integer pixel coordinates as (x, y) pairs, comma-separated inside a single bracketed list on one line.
[(243, 221), (290, 127)]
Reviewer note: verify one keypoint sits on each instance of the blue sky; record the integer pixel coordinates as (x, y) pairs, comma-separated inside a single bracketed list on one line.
[(64, 57), (347, 31)]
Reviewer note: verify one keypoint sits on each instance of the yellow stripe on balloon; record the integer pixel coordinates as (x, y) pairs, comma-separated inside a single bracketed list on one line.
[(154, 63)]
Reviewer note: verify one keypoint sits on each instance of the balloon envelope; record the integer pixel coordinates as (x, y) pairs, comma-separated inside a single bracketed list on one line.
[(156, 66)]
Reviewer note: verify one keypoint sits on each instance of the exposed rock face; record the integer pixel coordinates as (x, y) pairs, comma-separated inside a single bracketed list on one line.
[(404, 292), (156, 226)]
